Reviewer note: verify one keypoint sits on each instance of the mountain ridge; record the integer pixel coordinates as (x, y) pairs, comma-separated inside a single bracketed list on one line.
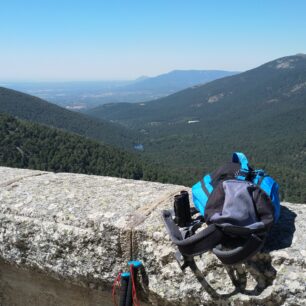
[(34, 109), (198, 94), (178, 79)]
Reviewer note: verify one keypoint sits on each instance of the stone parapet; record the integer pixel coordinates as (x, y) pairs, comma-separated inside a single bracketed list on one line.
[(80, 231)]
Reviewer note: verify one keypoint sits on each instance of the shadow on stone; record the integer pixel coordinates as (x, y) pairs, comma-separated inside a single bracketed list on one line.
[(258, 269), (144, 284), (281, 234)]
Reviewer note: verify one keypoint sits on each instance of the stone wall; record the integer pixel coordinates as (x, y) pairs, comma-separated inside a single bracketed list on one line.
[(64, 237)]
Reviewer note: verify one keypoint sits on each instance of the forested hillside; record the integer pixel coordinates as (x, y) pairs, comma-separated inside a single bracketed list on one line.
[(29, 145), (31, 108), (260, 112)]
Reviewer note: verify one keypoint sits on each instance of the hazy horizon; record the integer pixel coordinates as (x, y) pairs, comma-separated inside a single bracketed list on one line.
[(3, 81)]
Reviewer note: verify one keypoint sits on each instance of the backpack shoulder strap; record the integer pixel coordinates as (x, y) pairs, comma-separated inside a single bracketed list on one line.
[(239, 157)]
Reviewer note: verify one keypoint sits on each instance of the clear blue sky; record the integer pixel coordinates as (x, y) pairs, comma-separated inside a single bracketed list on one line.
[(109, 39)]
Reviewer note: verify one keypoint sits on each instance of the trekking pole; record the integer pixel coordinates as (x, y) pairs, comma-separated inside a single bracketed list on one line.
[(124, 288), (122, 281), (131, 296)]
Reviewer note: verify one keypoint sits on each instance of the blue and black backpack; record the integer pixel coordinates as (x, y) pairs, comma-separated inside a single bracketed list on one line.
[(239, 206)]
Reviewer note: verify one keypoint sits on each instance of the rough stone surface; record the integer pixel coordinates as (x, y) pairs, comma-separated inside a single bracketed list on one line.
[(81, 230)]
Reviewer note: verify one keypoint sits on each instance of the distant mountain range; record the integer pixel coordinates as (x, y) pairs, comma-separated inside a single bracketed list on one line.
[(270, 85), (176, 80), (78, 95), (261, 112)]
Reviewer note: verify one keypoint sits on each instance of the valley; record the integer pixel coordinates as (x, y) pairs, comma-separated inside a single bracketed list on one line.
[(260, 112)]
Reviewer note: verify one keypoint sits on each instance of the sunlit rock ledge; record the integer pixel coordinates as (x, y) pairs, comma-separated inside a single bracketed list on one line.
[(64, 237)]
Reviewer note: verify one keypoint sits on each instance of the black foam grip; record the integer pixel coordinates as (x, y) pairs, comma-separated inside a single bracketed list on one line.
[(123, 290), (129, 295)]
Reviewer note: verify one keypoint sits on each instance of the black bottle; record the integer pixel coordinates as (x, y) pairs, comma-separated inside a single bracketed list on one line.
[(182, 209)]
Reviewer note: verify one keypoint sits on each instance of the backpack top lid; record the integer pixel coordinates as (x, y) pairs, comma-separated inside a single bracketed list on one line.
[(238, 169)]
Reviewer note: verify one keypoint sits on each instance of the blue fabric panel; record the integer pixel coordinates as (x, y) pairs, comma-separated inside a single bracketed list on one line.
[(239, 157), (271, 188), (267, 184), (259, 174), (199, 198), (256, 179), (207, 181), (275, 201)]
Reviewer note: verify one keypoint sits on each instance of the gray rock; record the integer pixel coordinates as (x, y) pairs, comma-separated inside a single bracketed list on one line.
[(83, 229)]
